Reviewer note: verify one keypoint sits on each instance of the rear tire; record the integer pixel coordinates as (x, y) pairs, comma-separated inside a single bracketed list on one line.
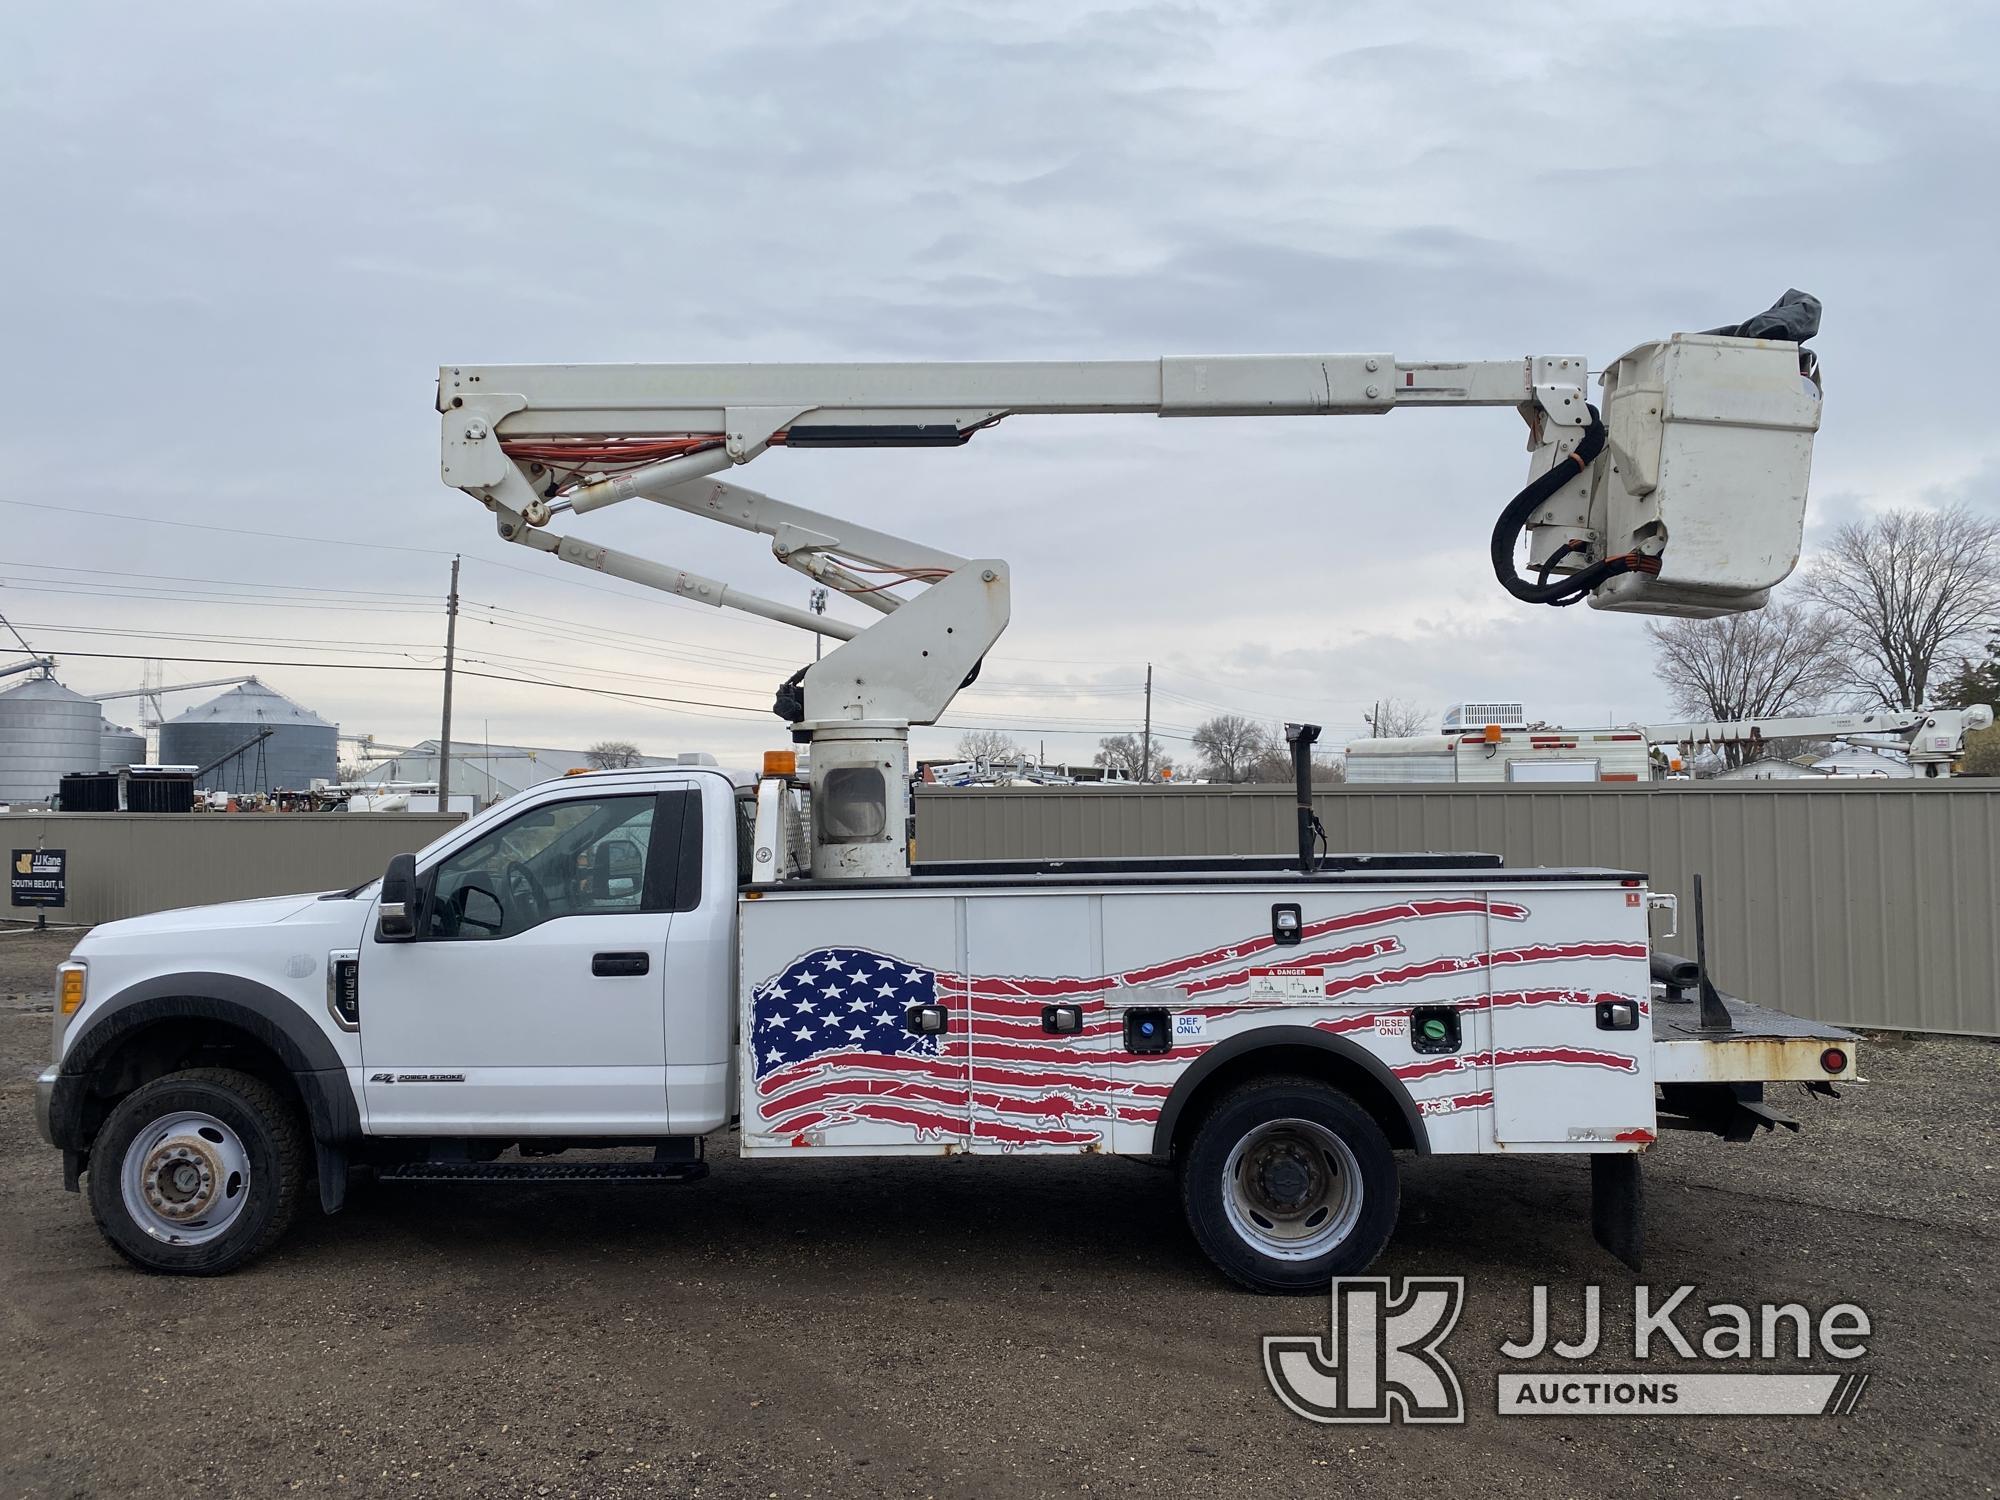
[(1287, 1184), (198, 1172)]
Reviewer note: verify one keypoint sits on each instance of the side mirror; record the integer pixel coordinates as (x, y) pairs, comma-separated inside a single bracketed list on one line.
[(396, 916), (615, 860)]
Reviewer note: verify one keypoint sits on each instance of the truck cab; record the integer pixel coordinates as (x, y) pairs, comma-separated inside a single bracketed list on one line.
[(563, 971)]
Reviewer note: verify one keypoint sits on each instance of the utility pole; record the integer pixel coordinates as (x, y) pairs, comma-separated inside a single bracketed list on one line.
[(450, 654), (816, 602), (1146, 739)]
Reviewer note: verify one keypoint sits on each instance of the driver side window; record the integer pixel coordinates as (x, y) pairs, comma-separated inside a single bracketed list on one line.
[(560, 860)]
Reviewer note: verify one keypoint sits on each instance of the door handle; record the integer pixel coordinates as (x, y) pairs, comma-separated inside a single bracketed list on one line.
[(618, 965)]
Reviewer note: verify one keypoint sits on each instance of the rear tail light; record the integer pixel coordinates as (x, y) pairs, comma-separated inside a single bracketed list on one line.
[(1834, 1060)]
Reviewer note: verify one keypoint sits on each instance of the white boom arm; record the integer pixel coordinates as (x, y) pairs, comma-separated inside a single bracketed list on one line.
[(1932, 738), (1687, 497)]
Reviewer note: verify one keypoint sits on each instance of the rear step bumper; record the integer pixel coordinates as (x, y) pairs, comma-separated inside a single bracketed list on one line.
[(1761, 1046), (636, 1172)]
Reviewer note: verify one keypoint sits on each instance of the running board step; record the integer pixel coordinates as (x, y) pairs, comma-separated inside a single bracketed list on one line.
[(546, 1171)]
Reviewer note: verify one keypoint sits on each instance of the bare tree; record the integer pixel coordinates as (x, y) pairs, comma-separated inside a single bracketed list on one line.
[(1230, 745), (1778, 660), (983, 747), (1911, 589), (1271, 765), (1782, 659), (1124, 752), (1395, 718), (612, 755)]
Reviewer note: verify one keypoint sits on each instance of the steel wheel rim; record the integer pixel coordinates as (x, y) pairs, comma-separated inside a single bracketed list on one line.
[(185, 1178), (1292, 1189)]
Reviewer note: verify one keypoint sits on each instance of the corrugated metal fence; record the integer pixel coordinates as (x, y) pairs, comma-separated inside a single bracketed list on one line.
[(124, 864), (1869, 903), (1865, 903)]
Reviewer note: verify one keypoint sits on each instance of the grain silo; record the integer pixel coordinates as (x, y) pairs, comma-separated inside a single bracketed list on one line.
[(227, 735), (45, 731), (118, 747)]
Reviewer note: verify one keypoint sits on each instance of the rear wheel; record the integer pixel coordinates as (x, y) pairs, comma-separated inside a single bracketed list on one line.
[(1288, 1183), (198, 1172)]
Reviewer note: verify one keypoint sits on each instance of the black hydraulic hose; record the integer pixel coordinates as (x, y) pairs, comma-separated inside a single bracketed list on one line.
[(1507, 531)]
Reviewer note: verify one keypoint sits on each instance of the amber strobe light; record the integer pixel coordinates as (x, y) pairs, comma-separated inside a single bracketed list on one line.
[(781, 762)]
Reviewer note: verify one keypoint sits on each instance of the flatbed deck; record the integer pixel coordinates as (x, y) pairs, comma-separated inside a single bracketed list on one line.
[(1762, 1046)]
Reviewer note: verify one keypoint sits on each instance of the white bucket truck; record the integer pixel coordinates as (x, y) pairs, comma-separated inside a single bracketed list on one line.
[(651, 957)]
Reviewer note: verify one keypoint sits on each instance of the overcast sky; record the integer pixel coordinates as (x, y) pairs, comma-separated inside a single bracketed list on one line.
[(240, 239)]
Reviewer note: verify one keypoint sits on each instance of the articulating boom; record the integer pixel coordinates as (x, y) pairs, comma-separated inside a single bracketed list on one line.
[(1686, 496), (1933, 739)]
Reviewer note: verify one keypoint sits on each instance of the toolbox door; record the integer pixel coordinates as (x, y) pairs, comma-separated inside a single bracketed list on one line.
[(1571, 1037), (834, 1057), (1032, 1088)]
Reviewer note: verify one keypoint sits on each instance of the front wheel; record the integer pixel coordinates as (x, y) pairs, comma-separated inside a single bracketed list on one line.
[(1289, 1183), (198, 1172)]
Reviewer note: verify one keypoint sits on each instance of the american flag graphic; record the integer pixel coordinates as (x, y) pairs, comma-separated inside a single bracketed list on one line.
[(831, 1046)]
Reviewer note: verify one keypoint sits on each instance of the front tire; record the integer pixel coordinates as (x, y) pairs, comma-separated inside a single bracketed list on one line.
[(198, 1172), (1289, 1183)]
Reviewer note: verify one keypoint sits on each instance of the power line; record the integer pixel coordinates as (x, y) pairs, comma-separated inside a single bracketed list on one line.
[(545, 576), (276, 536), (568, 687), (47, 586), (648, 597), (635, 638), (300, 588), (503, 659), (302, 643)]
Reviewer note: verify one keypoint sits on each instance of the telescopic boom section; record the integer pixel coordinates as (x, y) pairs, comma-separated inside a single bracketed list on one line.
[(1710, 430), (1933, 739)]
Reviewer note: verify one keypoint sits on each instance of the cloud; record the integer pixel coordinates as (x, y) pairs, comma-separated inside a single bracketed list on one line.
[(247, 236)]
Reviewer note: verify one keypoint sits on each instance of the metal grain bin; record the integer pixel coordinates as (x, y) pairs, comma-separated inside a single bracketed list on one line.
[(46, 731), (300, 747), (119, 747)]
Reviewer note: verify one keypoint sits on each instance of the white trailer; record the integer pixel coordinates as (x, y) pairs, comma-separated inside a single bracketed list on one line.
[(652, 956), (1492, 755), (1931, 739)]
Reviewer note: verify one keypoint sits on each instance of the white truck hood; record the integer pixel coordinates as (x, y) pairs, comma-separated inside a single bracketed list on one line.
[(231, 916)]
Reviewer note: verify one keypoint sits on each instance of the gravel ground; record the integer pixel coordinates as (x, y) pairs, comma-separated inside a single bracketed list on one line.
[(972, 1327)]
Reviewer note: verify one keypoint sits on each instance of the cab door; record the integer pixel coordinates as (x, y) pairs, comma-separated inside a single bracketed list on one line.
[(530, 999)]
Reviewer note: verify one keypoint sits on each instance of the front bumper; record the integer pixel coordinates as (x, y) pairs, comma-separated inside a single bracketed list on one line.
[(45, 1093)]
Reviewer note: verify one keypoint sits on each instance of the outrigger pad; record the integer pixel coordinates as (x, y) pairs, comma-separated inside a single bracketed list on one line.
[(1618, 1206)]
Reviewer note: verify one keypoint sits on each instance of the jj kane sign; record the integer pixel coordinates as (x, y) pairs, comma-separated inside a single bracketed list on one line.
[(38, 877)]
